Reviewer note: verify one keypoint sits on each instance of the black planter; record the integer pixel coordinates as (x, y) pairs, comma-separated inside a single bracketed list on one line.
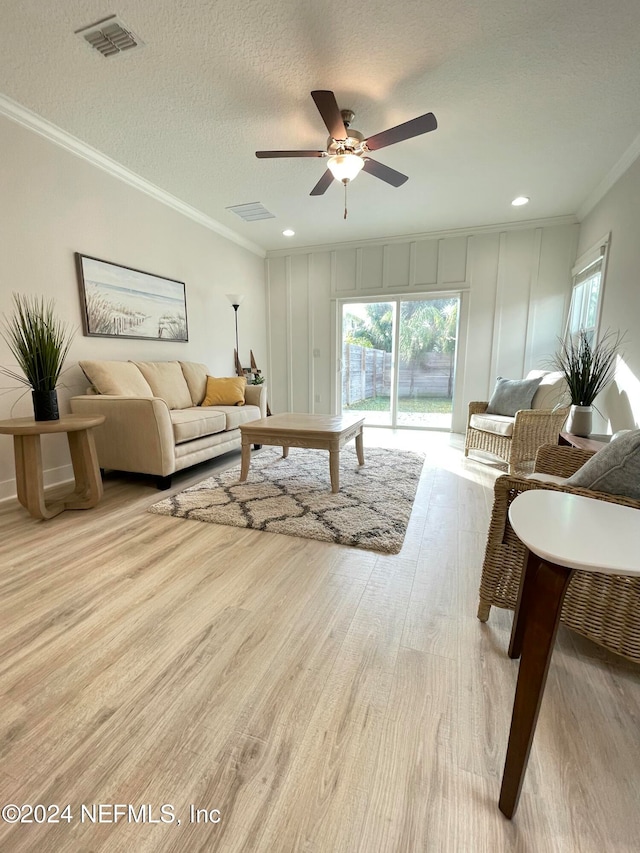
[(45, 405)]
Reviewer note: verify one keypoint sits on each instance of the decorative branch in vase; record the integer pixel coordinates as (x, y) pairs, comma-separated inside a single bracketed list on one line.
[(39, 342), (588, 368)]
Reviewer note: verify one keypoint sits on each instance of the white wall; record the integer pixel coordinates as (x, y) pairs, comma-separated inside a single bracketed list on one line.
[(515, 288), (53, 204), (619, 213)]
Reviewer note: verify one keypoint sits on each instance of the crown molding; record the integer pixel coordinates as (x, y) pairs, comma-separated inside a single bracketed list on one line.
[(570, 219), (16, 112), (614, 174)]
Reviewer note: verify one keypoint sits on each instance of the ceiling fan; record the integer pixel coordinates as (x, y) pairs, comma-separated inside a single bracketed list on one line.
[(347, 149)]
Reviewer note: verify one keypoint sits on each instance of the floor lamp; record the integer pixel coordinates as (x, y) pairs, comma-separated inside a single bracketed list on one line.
[(235, 299)]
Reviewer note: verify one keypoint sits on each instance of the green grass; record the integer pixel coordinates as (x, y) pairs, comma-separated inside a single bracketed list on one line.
[(414, 405)]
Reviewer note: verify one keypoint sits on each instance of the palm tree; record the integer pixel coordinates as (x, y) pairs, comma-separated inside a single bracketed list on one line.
[(426, 326), (375, 331)]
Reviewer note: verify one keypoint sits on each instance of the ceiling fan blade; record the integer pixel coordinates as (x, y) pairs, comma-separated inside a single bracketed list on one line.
[(262, 155), (385, 173), (415, 127), (323, 184), (328, 108)]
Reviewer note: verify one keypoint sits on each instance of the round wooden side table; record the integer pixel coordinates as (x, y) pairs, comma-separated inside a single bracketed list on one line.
[(563, 532), (26, 434)]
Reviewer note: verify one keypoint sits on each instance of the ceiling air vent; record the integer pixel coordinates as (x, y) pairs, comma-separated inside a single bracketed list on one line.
[(251, 212), (110, 36)]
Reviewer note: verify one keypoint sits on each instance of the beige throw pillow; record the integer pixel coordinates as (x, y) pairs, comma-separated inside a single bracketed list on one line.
[(196, 376), (121, 378), (552, 391), (167, 381)]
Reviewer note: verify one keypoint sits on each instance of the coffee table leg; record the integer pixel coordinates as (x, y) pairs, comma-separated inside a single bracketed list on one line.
[(285, 451), (245, 460), (360, 448), (334, 469)]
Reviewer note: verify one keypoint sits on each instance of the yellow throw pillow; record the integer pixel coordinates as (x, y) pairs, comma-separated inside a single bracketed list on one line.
[(225, 391)]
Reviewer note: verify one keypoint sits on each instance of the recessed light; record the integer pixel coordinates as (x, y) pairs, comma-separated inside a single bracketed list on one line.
[(522, 199), (288, 232)]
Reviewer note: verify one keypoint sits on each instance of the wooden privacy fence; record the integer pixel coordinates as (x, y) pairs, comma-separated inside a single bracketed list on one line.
[(366, 373)]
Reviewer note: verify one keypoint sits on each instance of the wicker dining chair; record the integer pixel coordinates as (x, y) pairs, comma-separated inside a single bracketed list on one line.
[(604, 608)]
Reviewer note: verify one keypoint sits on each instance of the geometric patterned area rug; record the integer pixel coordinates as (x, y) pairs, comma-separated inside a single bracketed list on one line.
[(293, 496)]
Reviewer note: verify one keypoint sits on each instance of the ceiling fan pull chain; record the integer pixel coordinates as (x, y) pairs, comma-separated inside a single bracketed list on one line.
[(345, 199)]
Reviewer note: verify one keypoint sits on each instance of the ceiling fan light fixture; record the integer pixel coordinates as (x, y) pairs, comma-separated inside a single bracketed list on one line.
[(345, 167)]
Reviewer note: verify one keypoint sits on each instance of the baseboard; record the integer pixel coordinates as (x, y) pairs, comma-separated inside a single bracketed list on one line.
[(51, 476)]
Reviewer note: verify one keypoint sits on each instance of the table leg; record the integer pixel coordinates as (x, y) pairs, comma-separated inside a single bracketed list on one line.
[(549, 586), (334, 469), (285, 451), (525, 592), (29, 479), (21, 485), (88, 489), (360, 448), (245, 459)]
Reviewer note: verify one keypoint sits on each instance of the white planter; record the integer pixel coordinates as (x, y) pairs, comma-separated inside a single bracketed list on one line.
[(579, 420)]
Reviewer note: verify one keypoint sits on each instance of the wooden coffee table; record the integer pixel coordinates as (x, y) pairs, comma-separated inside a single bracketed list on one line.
[(321, 432)]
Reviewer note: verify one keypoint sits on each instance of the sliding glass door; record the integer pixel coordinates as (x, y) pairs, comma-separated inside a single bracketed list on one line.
[(368, 331), (413, 389)]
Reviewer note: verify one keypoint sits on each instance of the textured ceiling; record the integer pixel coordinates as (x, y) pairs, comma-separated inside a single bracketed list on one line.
[(536, 98)]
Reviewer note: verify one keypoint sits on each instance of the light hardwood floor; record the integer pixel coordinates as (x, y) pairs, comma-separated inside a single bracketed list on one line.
[(322, 698)]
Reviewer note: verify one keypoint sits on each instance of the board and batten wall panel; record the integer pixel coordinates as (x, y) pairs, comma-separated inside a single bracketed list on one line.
[(483, 255), (426, 262), (278, 379), (299, 332), (320, 342), (514, 284)]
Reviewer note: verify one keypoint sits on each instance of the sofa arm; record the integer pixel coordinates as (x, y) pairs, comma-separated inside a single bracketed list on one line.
[(137, 434), (256, 395)]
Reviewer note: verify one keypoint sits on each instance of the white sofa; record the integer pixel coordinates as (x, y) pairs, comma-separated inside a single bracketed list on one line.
[(155, 423)]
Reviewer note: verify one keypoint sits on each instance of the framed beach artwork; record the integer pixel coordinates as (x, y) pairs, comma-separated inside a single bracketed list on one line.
[(121, 302)]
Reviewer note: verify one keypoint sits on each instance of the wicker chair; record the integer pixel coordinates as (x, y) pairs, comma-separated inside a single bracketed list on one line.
[(604, 608), (531, 428)]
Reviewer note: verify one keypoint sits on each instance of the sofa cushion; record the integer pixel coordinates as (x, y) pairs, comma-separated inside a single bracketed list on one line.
[(225, 391), (167, 382), (511, 395), (497, 424), (121, 378), (196, 376), (552, 390), (236, 415), (195, 423), (614, 469)]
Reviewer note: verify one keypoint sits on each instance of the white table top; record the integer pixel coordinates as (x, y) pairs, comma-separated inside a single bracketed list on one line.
[(578, 532)]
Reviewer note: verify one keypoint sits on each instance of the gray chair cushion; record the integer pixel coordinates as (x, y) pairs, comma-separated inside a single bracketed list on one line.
[(614, 469), (511, 395)]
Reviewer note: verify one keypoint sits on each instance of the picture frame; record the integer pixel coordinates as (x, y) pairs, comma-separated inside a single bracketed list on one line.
[(123, 302)]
